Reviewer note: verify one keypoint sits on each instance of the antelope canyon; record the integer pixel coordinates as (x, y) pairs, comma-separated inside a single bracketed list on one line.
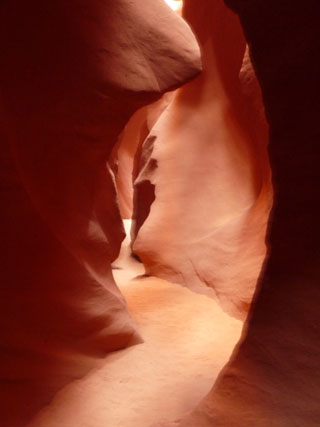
[(159, 217)]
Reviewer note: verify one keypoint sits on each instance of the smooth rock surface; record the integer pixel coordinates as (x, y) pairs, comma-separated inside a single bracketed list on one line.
[(208, 170), (163, 377), (71, 75), (273, 378)]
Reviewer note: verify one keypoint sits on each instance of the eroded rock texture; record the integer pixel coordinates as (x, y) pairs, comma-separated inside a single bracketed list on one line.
[(273, 378), (209, 171), (71, 75), (129, 160), (123, 156), (144, 165)]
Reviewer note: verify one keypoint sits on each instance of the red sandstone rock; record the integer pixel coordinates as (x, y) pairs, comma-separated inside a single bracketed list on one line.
[(128, 160), (123, 155), (207, 174), (72, 73), (273, 378), (144, 165)]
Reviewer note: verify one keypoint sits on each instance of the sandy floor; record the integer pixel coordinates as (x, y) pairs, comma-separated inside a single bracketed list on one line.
[(188, 339)]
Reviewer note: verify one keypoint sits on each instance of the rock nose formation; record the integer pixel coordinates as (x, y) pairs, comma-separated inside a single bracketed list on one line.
[(71, 75)]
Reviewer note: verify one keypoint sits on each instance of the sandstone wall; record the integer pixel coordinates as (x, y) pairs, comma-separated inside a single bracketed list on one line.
[(208, 171), (273, 377), (71, 75)]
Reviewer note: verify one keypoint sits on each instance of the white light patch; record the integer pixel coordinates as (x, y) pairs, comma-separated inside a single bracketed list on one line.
[(174, 4)]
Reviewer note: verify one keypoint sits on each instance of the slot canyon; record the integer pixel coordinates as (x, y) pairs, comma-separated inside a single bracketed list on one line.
[(159, 215)]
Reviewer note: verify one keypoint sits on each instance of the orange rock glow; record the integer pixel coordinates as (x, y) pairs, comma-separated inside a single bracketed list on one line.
[(159, 219)]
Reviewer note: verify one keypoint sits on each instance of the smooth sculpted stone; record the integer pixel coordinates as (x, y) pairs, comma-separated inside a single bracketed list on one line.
[(208, 172), (71, 75), (273, 378)]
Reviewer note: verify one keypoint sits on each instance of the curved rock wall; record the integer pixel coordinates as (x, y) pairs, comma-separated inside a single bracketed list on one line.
[(273, 377), (210, 172), (71, 75)]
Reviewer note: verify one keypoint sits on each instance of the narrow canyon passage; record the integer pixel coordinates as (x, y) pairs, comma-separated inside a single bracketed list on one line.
[(187, 341), (187, 138)]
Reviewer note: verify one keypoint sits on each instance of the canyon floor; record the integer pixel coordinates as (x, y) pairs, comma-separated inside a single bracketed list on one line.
[(188, 340)]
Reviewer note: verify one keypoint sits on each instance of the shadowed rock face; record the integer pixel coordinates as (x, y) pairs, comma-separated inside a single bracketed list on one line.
[(71, 75), (123, 156), (206, 227), (273, 378)]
